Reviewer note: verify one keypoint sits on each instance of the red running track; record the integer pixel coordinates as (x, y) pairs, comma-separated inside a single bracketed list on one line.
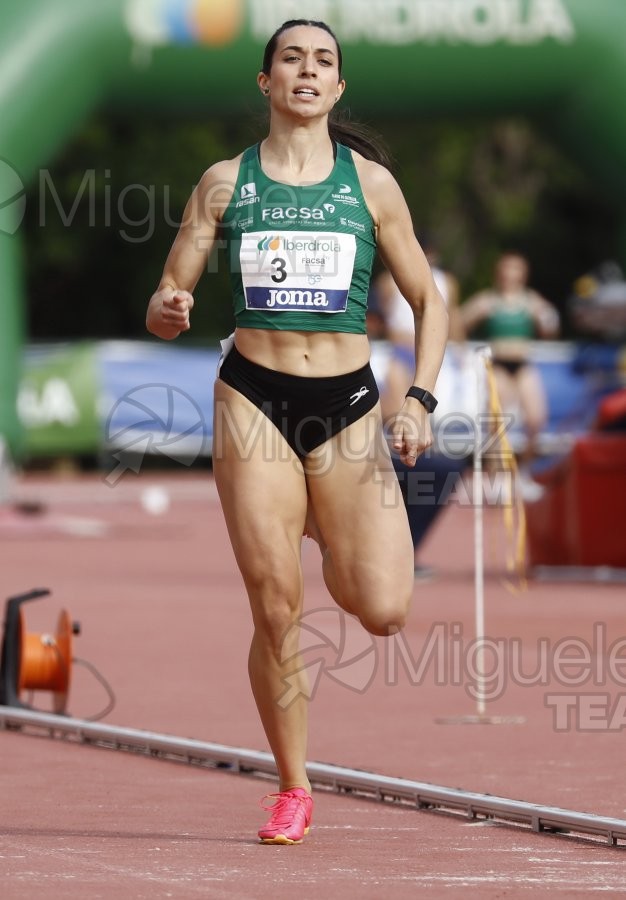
[(165, 620)]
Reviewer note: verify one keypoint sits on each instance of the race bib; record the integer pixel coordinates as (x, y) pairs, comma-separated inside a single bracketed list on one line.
[(295, 270)]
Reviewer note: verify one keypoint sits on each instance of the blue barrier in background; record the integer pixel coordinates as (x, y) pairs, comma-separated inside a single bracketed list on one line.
[(157, 397)]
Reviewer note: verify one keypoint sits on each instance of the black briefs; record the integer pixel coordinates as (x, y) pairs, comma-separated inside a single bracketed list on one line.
[(512, 366), (306, 411)]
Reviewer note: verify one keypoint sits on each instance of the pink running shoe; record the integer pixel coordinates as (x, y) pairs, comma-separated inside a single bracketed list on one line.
[(290, 819)]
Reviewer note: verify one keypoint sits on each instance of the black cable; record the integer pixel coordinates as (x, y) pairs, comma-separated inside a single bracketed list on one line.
[(97, 675), (51, 642), (105, 684)]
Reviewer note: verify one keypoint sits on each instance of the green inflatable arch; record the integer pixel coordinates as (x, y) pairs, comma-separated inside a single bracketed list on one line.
[(559, 61)]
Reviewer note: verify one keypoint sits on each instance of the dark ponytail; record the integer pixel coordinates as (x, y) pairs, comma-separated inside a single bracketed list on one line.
[(341, 129), (358, 137)]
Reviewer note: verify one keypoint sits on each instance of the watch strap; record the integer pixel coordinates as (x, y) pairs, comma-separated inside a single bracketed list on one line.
[(427, 400)]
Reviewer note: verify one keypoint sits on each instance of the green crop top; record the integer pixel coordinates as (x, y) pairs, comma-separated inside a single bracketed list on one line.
[(509, 321), (300, 257)]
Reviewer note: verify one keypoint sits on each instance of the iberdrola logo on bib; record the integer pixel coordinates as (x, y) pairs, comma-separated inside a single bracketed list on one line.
[(269, 243)]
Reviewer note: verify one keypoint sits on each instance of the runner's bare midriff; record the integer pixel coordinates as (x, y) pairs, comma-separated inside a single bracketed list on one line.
[(314, 354), (515, 349)]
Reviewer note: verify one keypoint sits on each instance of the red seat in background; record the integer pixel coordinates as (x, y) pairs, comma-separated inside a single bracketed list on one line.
[(581, 518)]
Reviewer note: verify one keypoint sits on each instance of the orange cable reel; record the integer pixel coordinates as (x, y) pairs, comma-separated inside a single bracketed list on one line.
[(46, 660), (34, 661)]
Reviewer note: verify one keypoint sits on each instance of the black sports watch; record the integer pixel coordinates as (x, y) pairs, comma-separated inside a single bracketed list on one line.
[(425, 398)]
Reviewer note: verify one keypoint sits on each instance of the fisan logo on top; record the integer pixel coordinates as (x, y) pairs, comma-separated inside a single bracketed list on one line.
[(399, 22)]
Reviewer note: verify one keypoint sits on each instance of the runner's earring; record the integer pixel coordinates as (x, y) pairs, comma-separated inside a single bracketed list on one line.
[(266, 91)]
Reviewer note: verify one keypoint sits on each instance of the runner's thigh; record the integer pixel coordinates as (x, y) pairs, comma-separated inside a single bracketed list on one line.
[(355, 495), (262, 490)]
